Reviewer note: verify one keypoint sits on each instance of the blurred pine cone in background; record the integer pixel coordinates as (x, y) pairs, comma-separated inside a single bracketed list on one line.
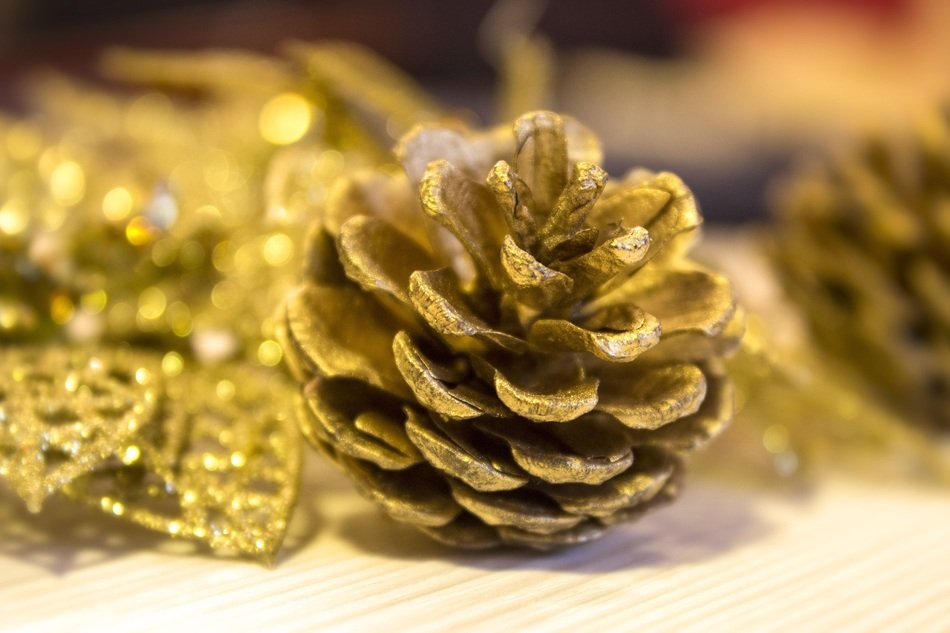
[(510, 352), (863, 246)]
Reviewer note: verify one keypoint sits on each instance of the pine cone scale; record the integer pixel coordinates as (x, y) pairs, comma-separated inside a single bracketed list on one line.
[(590, 451), (637, 485), (341, 332), (451, 198), (449, 457), (559, 397), (541, 157), (377, 436), (695, 430), (530, 511), (378, 256), (433, 384), (652, 399), (416, 496)]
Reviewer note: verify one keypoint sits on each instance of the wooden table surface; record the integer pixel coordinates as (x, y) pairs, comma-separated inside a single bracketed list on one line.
[(845, 557)]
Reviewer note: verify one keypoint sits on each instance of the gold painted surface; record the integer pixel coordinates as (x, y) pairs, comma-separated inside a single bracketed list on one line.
[(519, 295)]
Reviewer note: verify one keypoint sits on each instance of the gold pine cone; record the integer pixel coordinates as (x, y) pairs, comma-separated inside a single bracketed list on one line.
[(500, 347), (863, 246)]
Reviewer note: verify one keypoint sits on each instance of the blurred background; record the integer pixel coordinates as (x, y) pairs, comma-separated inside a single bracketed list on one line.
[(724, 92)]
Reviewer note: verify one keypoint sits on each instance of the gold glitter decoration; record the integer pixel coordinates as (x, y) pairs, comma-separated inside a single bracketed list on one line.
[(372, 101), (62, 414), (863, 247), (222, 468), (498, 346), (171, 451), (170, 218)]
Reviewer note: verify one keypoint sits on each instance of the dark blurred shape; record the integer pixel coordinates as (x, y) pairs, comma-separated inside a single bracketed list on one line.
[(422, 36), (698, 11), (725, 92)]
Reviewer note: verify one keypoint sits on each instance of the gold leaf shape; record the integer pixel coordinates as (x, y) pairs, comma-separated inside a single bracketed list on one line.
[(367, 84), (222, 467), (63, 413), (204, 70)]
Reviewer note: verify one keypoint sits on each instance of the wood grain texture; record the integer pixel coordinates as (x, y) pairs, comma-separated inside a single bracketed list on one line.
[(846, 558)]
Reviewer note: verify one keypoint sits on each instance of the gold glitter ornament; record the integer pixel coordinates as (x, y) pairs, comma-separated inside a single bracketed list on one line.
[(130, 259), (863, 247), (178, 450), (223, 468), (510, 352), (170, 218), (63, 413)]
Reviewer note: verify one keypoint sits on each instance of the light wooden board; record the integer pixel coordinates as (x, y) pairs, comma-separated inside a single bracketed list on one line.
[(846, 557)]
